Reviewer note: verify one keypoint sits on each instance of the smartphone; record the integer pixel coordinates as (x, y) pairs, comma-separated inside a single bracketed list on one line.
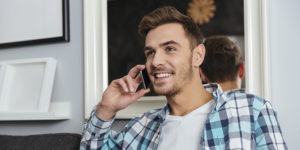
[(145, 78)]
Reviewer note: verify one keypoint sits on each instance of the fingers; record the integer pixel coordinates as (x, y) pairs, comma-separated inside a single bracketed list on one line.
[(128, 85), (129, 82), (136, 70), (141, 93), (123, 85), (138, 80), (135, 96)]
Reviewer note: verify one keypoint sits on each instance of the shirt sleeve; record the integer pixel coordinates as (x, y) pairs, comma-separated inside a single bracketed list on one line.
[(97, 134), (267, 129)]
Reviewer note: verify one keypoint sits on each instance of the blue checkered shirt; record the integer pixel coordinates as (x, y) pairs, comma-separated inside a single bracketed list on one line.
[(237, 121)]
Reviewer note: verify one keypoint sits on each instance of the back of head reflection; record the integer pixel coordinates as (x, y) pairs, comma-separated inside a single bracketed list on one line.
[(223, 63)]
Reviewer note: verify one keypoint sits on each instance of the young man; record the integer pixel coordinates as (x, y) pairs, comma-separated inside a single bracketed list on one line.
[(196, 117), (223, 63)]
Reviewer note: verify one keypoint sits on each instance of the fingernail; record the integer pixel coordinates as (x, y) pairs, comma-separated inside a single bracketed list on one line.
[(132, 90), (126, 90)]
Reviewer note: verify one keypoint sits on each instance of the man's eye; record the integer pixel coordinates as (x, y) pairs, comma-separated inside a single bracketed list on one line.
[(170, 49), (149, 53)]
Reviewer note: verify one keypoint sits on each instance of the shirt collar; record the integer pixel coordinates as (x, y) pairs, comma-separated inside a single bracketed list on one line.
[(220, 97), (214, 88)]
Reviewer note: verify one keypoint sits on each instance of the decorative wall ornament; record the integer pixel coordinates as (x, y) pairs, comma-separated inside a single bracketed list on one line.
[(201, 11)]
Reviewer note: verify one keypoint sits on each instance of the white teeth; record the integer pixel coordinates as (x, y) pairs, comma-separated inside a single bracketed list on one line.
[(162, 75)]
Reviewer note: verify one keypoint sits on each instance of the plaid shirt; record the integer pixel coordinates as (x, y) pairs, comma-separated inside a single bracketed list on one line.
[(237, 121)]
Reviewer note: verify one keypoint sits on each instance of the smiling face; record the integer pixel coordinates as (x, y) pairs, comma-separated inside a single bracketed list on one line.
[(169, 59)]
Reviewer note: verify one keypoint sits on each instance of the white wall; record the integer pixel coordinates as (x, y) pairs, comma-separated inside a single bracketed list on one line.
[(68, 85), (284, 26)]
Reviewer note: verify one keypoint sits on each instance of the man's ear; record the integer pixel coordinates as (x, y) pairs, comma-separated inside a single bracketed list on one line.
[(198, 55), (241, 70)]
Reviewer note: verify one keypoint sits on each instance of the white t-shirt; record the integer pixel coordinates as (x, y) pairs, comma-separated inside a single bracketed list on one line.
[(184, 132)]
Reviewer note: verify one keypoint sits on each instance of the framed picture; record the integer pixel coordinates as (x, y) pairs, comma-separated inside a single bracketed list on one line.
[(33, 22)]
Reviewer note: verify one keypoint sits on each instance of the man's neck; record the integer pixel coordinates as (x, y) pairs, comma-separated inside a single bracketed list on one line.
[(191, 97), (230, 85)]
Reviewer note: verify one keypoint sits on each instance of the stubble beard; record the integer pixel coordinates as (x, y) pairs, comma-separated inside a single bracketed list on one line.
[(184, 77)]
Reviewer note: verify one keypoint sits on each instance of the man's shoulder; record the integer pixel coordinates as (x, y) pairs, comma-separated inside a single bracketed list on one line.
[(149, 116), (153, 113), (241, 95), (241, 99), (244, 103)]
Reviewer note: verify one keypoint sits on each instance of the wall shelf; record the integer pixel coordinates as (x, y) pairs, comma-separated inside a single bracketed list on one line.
[(58, 111)]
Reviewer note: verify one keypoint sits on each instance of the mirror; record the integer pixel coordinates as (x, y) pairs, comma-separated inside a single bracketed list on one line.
[(97, 55)]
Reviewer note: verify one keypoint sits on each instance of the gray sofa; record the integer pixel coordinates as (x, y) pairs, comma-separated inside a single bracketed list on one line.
[(58, 141)]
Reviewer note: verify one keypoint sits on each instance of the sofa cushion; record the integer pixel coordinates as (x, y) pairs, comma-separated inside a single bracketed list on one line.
[(57, 141)]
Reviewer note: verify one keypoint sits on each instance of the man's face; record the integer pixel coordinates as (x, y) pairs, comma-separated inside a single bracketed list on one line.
[(169, 59)]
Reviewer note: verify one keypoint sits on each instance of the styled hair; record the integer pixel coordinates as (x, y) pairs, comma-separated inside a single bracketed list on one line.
[(222, 59), (170, 14)]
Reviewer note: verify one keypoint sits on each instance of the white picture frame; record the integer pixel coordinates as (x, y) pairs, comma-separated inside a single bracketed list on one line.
[(96, 66), (26, 85)]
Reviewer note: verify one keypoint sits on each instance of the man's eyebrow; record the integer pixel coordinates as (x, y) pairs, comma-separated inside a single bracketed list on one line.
[(162, 44), (169, 42), (148, 48)]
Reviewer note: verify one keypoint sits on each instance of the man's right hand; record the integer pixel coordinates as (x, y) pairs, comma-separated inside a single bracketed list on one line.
[(121, 93)]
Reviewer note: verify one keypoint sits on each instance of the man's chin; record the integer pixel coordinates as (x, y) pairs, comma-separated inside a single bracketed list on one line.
[(162, 91)]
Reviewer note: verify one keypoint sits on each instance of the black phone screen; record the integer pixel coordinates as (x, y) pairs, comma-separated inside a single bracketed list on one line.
[(145, 78)]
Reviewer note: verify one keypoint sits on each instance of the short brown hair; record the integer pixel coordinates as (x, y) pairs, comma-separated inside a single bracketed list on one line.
[(170, 14), (222, 59)]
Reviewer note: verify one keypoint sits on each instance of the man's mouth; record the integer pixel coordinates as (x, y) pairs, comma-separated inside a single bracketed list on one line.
[(162, 75)]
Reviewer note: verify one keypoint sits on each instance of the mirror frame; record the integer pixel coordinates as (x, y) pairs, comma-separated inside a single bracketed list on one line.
[(256, 15)]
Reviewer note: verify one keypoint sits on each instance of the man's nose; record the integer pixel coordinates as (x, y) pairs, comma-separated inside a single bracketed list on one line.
[(158, 59)]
